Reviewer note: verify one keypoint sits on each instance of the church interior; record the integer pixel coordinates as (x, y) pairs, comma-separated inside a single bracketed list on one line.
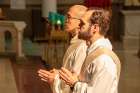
[(28, 42)]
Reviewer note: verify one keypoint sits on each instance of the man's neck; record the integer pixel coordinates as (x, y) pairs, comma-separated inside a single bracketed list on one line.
[(94, 39), (75, 36)]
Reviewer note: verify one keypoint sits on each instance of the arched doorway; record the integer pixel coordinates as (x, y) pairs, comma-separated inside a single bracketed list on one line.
[(8, 41)]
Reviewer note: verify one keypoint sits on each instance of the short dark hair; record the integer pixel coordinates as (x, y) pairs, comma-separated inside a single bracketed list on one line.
[(102, 18)]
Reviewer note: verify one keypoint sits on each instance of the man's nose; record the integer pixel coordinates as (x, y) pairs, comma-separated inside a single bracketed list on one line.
[(67, 20)]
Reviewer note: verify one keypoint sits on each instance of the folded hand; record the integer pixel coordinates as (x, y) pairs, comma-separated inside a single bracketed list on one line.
[(48, 76), (68, 77)]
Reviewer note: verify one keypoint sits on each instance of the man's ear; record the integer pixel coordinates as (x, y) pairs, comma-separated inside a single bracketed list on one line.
[(78, 24), (95, 27)]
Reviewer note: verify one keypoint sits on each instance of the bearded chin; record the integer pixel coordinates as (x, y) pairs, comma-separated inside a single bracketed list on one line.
[(84, 35), (73, 32)]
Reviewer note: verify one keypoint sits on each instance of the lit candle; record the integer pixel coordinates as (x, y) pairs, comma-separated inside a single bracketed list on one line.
[(58, 22), (62, 17), (59, 25)]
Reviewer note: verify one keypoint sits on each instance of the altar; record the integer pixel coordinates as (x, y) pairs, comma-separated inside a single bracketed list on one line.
[(16, 29)]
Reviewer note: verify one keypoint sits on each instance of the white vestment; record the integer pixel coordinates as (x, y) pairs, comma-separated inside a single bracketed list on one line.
[(73, 60), (100, 74)]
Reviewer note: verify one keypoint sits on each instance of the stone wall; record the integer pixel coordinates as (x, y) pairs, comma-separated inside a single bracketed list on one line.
[(131, 29)]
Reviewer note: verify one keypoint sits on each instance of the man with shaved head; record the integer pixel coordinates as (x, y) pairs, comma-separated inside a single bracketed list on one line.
[(75, 54)]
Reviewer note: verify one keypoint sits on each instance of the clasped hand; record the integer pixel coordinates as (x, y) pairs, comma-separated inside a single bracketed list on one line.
[(49, 76), (68, 77)]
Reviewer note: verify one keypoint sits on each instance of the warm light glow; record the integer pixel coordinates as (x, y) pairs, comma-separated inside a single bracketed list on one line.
[(58, 22)]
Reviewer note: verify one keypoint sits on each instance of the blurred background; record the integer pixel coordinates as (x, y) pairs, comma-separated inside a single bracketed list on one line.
[(32, 36)]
